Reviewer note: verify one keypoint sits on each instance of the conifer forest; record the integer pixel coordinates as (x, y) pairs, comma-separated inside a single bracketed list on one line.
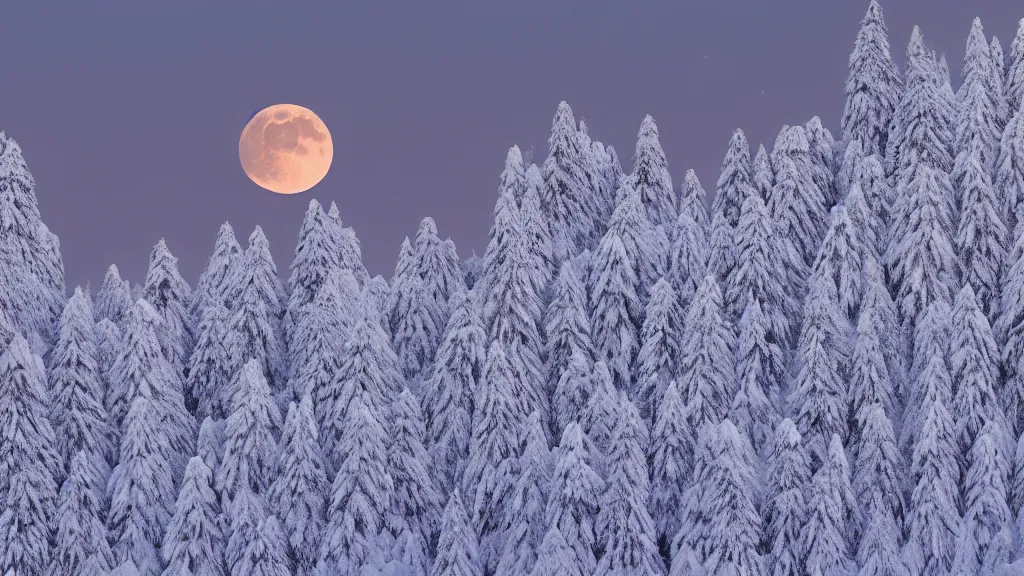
[(812, 365)]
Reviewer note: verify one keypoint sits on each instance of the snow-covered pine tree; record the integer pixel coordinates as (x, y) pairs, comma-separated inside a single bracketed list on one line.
[(878, 474), (1009, 174), (981, 237), (841, 260), (350, 256), (852, 155), (721, 249), (498, 417), (821, 146), (369, 369), (214, 279), (688, 257), (762, 175), (572, 394), (299, 491), (933, 521), (659, 348), (405, 271), (932, 383), (565, 187), (760, 375), (77, 413), (830, 507), (376, 294), (448, 394), (356, 536), (255, 325), (573, 497), (735, 180), (526, 502), (999, 81), (616, 309), (624, 529), (415, 335), (869, 381), (978, 123), (650, 177), (535, 226), (986, 514), (693, 200), (707, 355), (458, 552), (920, 262), (108, 344), (316, 255), (169, 294), (566, 325), (439, 272), (757, 275), (210, 443), (114, 297), (320, 333), (873, 86), (879, 196), (1009, 330), (266, 554), (671, 460), (193, 542), (640, 237), (1014, 89), (599, 418), (555, 558), (143, 474), (80, 532), (416, 508), (974, 368), (206, 391), (242, 518), (785, 511), (250, 445)]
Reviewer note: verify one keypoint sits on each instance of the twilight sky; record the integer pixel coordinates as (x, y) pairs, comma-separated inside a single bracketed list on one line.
[(129, 113)]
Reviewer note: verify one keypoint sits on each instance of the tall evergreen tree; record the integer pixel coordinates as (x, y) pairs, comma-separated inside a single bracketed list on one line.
[(299, 491), (250, 446), (978, 124), (650, 177), (114, 297), (143, 474), (169, 294), (870, 382), (319, 335), (316, 255), (458, 553), (1009, 174), (829, 506), (877, 482), (1015, 72), (525, 508), (762, 176), (193, 542), (573, 497), (205, 387), (213, 280), (721, 248), (1009, 330), (565, 187), (644, 243), (659, 348), (266, 554), (785, 511), (80, 532), (688, 257), (573, 393), (693, 200), (566, 325), (985, 512), (707, 356), (671, 458), (852, 156), (615, 307), (414, 337), (821, 146), (438, 267), (77, 413), (841, 260), (873, 86), (538, 235), (879, 197), (625, 531), (735, 183), (760, 374)]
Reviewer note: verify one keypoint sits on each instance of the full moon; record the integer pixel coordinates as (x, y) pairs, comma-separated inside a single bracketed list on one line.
[(286, 149)]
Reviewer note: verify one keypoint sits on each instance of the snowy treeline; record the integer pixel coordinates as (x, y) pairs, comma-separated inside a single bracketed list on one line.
[(818, 372)]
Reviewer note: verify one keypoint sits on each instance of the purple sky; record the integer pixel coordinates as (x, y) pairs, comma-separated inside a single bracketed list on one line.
[(129, 113)]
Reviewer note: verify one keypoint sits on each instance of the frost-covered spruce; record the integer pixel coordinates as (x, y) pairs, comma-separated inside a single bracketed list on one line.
[(417, 503), (984, 498), (981, 237), (213, 280), (566, 324), (206, 390), (852, 155), (919, 259), (798, 203), (526, 502), (693, 200), (498, 418), (258, 300), (415, 335), (707, 355), (830, 507), (193, 542), (574, 495), (143, 474), (624, 530), (505, 217), (170, 296), (566, 187), (405, 271), (757, 275), (820, 397), (369, 370), (350, 255), (1009, 330), (356, 536), (762, 175), (728, 531), (735, 180), (659, 348), (841, 260), (108, 344), (879, 197), (933, 383), (650, 177), (932, 520), (687, 257), (210, 443), (922, 134), (80, 532), (77, 413), (448, 393), (821, 145), (878, 474), (316, 256), (1015, 484), (640, 236), (973, 359), (616, 309), (671, 458), (376, 294), (266, 554), (978, 122), (113, 299), (1014, 87), (555, 558), (785, 511), (438, 267), (1009, 173), (243, 517), (250, 446), (538, 234), (572, 394), (600, 417), (999, 81), (721, 248), (869, 380), (760, 374), (299, 492), (458, 552)]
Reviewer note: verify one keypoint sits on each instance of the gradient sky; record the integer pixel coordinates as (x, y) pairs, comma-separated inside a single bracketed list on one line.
[(129, 113)]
